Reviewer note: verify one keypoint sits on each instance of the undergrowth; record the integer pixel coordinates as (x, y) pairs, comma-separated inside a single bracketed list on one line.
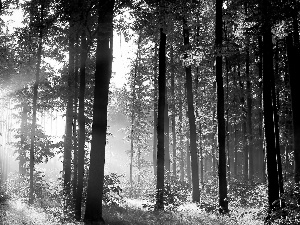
[(247, 204)]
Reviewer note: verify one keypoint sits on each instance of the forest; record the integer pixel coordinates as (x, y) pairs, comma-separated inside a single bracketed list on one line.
[(149, 112)]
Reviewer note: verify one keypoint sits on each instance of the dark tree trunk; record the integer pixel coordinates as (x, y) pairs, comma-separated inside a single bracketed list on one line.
[(81, 123), (155, 99), (261, 150), (167, 142), (276, 126), (174, 139), (69, 120), (75, 115), (268, 73), (295, 93), (192, 121), (223, 202), (160, 121), (188, 160), (180, 129), (293, 56), (93, 210), (249, 115)]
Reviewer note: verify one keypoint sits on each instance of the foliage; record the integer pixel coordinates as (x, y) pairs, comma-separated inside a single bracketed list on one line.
[(112, 189), (290, 213)]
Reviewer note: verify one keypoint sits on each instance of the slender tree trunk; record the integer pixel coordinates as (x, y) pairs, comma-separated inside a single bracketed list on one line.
[(249, 115), (188, 160), (260, 116), (223, 202), (69, 120), (294, 81), (93, 210), (22, 150), (133, 96), (227, 120), (174, 139), (160, 120), (181, 136), (268, 73), (167, 142), (276, 127), (75, 117), (34, 108), (155, 99), (192, 122), (81, 123)]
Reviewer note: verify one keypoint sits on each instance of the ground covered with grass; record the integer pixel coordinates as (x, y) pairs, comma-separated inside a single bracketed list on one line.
[(247, 205)]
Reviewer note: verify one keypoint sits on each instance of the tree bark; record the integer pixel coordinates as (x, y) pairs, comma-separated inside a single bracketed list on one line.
[(93, 210), (181, 136), (155, 105), (268, 73), (294, 81), (75, 117), (192, 121), (22, 150), (223, 202), (249, 115), (34, 106), (81, 124), (160, 121), (69, 120), (173, 108)]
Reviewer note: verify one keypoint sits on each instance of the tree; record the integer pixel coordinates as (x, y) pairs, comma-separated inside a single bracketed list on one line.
[(69, 115), (268, 73), (192, 122), (293, 54), (35, 97), (81, 123), (223, 202), (93, 211), (161, 115)]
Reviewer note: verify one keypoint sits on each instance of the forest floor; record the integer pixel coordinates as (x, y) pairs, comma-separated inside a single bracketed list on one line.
[(15, 212), (131, 212)]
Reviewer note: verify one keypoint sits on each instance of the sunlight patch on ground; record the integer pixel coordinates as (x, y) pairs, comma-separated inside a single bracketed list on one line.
[(20, 213), (137, 203)]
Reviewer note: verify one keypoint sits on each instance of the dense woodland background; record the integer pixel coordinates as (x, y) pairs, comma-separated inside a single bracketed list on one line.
[(208, 111)]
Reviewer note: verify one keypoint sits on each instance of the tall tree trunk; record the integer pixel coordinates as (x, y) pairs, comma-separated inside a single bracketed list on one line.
[(223, 202), (260, 115), (276, 127), (155, 99), (192, 121), (133, 96), (268, 73), (81, 123), (34, 107), (69, 120), (181, 135), (22, 150), (249, 114), (227, 136), (167, 142), (75, 117), (294, 81), (93, 210), (160, 120), (188, 160), (173, 108)]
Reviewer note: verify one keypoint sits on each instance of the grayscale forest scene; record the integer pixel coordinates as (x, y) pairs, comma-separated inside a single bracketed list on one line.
[(149, 112)]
